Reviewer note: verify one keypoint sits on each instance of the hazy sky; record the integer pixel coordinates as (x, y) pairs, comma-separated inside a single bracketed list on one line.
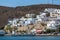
[(13, 3)]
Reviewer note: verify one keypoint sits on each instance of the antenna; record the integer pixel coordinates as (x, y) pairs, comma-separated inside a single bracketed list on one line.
[(48, 1), (52, 1)]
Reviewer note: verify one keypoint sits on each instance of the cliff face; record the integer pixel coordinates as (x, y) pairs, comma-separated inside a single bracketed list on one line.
[(19, 11)]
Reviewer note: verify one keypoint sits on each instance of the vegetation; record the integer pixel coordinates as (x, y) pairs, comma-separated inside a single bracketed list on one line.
[(50, 30), (8, 28), (58, 29), (14, 28)]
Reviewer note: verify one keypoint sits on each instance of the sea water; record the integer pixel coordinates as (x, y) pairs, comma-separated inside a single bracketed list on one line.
[(29, 37)]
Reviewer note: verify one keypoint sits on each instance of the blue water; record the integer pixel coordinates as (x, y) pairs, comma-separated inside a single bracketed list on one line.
[(30, 38)]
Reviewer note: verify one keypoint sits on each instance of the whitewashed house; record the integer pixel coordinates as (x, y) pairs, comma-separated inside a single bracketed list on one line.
[(29, 21), (23, 19), (30, 15), (13, 22), (49, 10), (10, 22), (53, 12), (41, 16), (57, 10), (51, 25)]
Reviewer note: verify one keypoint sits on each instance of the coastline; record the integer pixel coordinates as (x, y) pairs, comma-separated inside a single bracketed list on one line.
[(33, 35)]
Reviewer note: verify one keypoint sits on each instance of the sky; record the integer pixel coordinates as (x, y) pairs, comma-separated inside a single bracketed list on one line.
[(14, 3)]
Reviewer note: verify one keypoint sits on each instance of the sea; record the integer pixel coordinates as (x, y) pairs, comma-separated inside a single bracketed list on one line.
[(29, 37)]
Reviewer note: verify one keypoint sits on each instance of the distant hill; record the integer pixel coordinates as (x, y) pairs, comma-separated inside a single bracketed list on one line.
[(19, 11)]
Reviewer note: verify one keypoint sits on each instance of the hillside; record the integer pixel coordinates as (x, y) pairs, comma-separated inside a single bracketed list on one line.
[(19, 11)]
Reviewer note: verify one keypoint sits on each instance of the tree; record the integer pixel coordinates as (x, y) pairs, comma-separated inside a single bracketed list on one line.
[(58, 29), (50, 30), (8, 28), (14, 28)]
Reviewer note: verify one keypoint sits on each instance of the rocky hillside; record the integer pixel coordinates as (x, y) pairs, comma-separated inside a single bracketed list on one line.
[(19, 11)]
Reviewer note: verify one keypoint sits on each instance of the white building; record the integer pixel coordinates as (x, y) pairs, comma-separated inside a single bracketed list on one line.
[(53, 12), (30, 15), (29, 21), (57, 10), (23, 19), (41, 17), (51, 25), (42, 14), (49, 10)]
